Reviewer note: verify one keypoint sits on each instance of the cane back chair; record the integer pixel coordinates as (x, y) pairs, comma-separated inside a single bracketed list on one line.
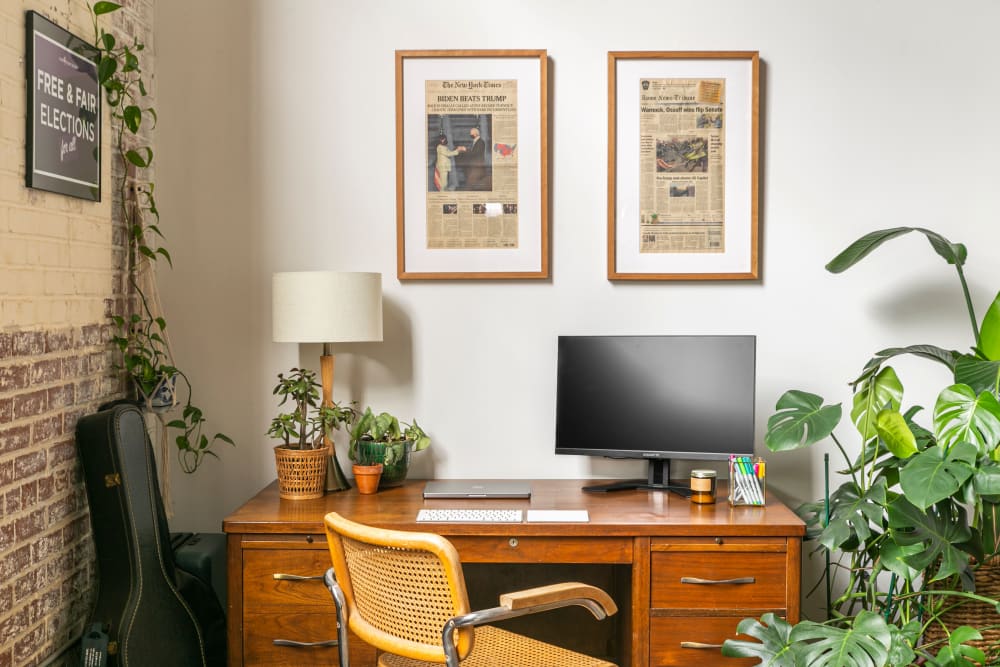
[(404, 593)]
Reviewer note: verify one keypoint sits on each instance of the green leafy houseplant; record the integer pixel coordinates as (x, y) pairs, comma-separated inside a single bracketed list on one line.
[(917, 513), (400, 439), (141, 335), (309, 422)]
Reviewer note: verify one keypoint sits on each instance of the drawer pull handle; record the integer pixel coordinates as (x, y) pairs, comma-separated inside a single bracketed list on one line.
[(712, 582), (700, 645), (281, 576), (294, 644)]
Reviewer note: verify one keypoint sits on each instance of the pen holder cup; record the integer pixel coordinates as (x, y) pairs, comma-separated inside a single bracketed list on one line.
[(747, 480)]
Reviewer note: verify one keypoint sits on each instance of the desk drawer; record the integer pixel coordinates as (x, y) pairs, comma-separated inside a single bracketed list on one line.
[(699, 580), (527, 549), (683, 641), (263, 593), (260, 631)]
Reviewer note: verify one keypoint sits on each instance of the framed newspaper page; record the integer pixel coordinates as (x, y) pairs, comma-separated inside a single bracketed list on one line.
[(682, 165), (472, 164)]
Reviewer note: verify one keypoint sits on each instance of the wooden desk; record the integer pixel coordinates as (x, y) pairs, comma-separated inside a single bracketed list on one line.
[(654, 538)]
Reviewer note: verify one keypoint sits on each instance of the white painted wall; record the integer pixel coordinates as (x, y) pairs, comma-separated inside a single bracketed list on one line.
[(276, 153)]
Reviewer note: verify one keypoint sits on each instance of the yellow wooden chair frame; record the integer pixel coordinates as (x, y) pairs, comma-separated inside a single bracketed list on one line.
[(404, 593)]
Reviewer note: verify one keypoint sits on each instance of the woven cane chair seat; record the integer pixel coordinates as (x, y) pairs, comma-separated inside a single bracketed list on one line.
[(401, 588), (495, 647)]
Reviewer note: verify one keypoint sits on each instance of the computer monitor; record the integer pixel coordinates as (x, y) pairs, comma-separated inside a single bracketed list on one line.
[(656, 398)]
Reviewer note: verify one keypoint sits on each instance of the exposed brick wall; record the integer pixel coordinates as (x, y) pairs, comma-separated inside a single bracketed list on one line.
[(60, 278), (48, 379)]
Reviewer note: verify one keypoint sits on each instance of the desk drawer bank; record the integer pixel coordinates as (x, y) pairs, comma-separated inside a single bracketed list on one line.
[(687, 573)]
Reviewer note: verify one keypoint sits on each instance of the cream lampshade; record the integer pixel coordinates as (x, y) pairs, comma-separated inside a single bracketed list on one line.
[(327, 307)]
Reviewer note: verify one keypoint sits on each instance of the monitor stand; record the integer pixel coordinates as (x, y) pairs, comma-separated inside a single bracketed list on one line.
[(658, 479)]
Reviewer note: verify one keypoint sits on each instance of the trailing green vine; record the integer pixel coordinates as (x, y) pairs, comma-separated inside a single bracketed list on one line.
[(141, 334)]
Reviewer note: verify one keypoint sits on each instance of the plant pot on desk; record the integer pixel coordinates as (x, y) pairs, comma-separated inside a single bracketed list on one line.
[(301, 472), (396, 464), (367, 477)]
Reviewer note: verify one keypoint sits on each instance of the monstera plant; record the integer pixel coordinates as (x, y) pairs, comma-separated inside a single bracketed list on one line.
[(917, 513)]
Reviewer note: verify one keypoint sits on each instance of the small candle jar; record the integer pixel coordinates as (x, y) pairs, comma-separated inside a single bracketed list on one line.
[(703, 487)]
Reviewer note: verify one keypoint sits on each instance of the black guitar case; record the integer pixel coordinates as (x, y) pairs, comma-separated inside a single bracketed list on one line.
[(152, 613)]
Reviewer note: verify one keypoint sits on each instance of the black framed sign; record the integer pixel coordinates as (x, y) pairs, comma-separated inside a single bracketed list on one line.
[(63, 137)]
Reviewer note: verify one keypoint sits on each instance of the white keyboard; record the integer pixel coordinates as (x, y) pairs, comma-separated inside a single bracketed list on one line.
[(480, 515)]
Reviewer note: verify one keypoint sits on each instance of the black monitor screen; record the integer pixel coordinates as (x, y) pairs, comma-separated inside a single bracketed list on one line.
[(655, 396)]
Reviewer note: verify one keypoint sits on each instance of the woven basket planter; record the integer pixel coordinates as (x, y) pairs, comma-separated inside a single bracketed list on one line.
[(301, 472), (977, 615)]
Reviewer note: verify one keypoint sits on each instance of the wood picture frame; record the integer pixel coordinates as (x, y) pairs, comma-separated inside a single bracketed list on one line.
[(683, 160), (472, 198)]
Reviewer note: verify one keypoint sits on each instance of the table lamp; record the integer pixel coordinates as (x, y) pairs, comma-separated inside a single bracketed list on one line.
[(327, 307)]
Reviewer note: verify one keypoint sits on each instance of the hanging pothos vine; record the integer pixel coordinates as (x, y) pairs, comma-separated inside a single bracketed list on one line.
[(141, 335)]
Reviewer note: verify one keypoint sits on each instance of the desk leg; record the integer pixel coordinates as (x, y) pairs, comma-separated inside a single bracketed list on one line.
[(793, 568), (639, 650), (234, 600)]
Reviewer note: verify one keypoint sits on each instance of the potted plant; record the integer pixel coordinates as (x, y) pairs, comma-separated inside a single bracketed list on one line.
[(916, 518), (301, 456), (398, 438), (141, 333), (367, 469)]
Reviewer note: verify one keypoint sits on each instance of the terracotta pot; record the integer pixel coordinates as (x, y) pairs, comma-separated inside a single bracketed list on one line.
[(367, 477)]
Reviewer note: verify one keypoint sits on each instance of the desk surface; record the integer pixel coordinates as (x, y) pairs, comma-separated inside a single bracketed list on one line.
[(631, 513)]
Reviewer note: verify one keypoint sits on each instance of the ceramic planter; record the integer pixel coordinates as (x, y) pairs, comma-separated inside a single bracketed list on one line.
[(367, 477)]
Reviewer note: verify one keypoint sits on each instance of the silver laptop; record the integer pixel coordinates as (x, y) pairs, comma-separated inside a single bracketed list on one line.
[(487, 488)]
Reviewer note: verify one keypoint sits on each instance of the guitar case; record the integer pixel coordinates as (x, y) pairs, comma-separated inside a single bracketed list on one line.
[(152, 613)]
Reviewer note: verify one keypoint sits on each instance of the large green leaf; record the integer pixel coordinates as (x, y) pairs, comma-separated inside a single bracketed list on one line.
[(960, 415), (903, 640), (813, 514), (875, 394), (894, 557), (990, 528), (987, 479), (885, 461), (773, 647), (938, 531), (800, 421), (980, 374), (893, 430), (989, 332), (865, 643), (853, 512), (953, 253), (932, 352), (937, 473), (861, 248), (924, 437)]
